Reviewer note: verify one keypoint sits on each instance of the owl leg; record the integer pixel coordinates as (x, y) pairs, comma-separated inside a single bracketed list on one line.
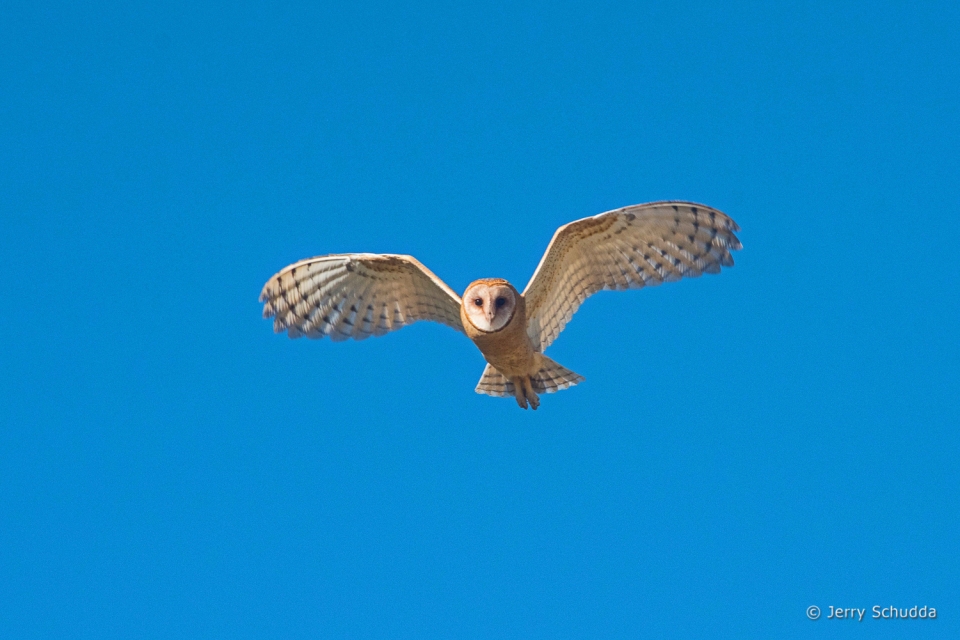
[(518, 391), (530, 394)]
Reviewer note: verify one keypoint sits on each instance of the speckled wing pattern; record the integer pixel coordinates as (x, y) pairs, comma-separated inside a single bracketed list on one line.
[(628, 248), (356, 295)]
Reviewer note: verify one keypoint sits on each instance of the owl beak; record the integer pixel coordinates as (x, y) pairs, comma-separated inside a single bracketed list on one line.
[(491, 313)]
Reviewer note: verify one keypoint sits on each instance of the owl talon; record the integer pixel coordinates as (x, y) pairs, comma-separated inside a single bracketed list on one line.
[(518, 393), (523, 391), (534, 401)]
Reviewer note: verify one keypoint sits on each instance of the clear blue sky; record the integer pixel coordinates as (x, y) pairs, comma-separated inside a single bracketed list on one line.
[(746, 445)]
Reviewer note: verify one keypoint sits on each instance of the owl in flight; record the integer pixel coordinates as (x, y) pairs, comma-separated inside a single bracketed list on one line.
[(358, 295)]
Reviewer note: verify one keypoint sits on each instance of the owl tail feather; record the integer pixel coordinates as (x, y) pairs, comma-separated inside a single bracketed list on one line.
[(551, 377)]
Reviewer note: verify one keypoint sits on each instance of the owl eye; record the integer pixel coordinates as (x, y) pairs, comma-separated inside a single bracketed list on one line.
[(478, 302), (501, 302)]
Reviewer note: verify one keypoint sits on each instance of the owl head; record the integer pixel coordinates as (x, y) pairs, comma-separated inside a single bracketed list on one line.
[(490, 304)]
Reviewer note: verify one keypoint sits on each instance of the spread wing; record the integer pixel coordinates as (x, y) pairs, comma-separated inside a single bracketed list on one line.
[(356, 295), (628, 248)]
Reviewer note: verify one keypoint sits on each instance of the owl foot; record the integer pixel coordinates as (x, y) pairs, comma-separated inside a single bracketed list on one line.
[(523, 391)]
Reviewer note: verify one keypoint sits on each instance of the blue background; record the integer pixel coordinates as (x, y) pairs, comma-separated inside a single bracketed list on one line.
[(744, 446)]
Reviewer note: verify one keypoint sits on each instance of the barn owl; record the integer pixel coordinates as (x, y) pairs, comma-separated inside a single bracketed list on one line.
[(358, 295)]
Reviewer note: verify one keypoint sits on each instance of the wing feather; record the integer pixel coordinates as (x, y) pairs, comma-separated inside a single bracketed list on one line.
[(356, 295), (628, 248)]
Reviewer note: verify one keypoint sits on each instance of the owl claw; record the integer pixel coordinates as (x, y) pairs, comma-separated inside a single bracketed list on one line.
[(530, 393), (534, 401), (518, 393), (523, 391)]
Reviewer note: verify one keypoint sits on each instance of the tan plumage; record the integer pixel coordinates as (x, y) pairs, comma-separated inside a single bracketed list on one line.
[(356, 295), (362, 294)]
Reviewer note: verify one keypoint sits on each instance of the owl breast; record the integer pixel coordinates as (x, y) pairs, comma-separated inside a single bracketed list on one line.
[(508, 348)]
